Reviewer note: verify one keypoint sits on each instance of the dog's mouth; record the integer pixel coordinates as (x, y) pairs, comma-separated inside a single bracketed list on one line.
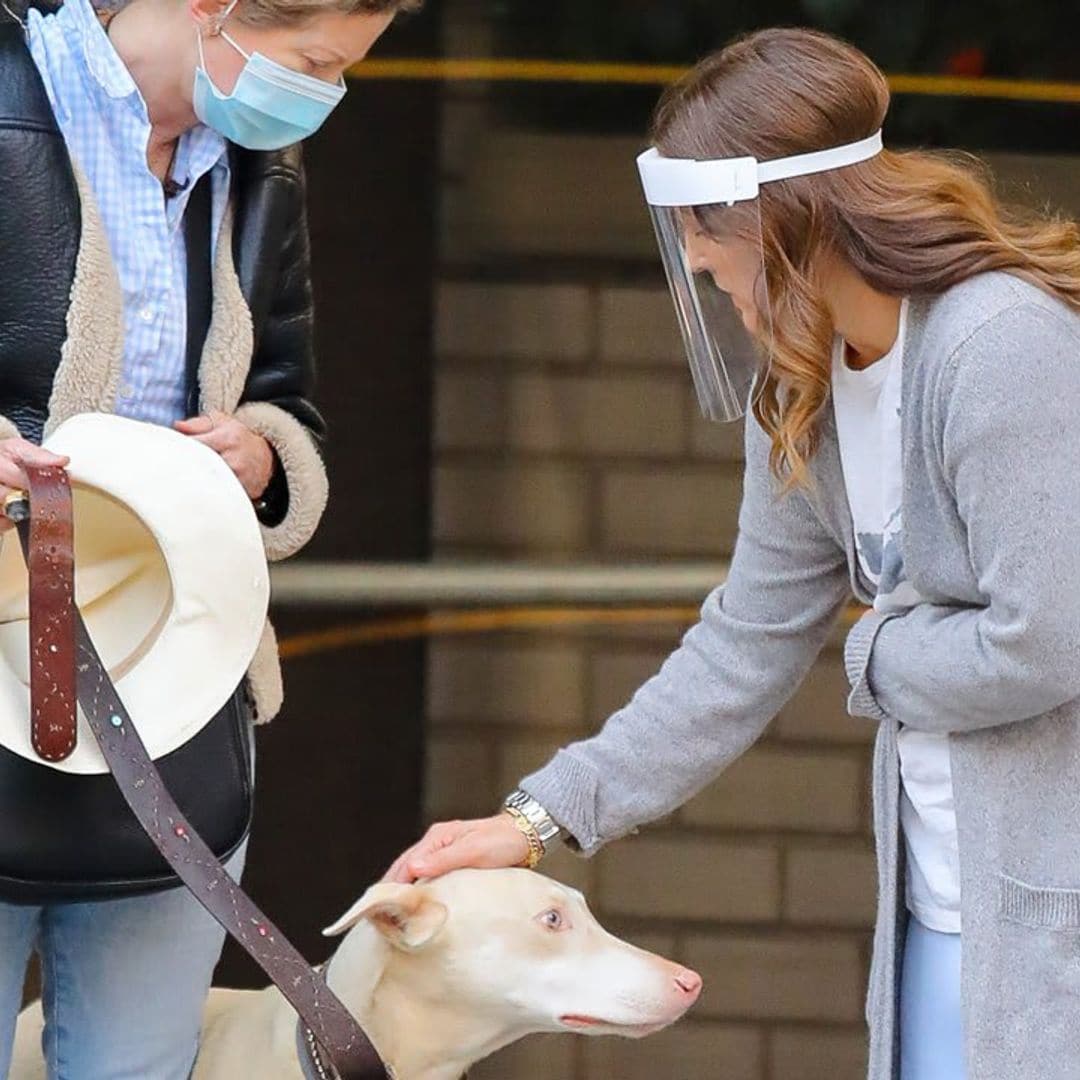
[(595, 1026)]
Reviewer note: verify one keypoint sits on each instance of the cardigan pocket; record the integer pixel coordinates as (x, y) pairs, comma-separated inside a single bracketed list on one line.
[(1041, 908)]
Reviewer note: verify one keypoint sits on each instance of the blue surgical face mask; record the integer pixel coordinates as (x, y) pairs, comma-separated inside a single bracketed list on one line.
[(271, 105)]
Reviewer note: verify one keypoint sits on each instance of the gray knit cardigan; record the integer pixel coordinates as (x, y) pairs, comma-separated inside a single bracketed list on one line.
[(991, 458)]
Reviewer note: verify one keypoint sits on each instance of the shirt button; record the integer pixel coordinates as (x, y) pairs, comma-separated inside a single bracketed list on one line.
[(147, 315), (127, 390)]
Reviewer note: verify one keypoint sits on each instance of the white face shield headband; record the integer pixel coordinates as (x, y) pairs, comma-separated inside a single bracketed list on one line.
[(717, 282)]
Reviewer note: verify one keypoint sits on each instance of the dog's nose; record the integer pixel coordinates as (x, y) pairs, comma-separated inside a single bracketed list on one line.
[(689, 982)]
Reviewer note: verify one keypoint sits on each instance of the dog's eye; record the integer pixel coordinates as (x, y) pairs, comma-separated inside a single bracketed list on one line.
[(552, 919)]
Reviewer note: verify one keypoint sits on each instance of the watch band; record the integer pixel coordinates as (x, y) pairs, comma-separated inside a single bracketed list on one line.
[(548, 830), (525, 827)]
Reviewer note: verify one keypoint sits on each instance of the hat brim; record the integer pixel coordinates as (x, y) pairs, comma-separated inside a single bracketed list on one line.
[(206, 634)]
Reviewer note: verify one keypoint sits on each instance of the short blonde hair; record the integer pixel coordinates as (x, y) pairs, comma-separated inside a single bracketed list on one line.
[(291, 12)]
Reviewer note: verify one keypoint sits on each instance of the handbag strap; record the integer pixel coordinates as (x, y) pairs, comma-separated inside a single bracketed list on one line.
[(52, 575)]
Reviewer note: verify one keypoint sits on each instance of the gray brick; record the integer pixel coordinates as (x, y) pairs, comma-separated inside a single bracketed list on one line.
[(517, 322), (806, 1054), (639, 326), (790, 978), (690, 879), (470, 410), (688, 1051), (772, 788), (818, 711), (552, 413), (830, 886), (712, 440), (573, 870), (657, 943), (615, 676), (531, 508), (510, 684), (527, 1059), (537, 195), (672, 510), (519, 757), (458, 781), (612, 416)]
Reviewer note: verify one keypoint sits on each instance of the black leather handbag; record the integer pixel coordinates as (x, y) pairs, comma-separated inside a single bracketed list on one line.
[(72, 837)]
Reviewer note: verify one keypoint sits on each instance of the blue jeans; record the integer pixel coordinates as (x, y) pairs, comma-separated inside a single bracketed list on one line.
[(931, 1022), (124, 982)]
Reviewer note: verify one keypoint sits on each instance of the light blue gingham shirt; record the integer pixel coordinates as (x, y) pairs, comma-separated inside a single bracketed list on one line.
[(104, 121)]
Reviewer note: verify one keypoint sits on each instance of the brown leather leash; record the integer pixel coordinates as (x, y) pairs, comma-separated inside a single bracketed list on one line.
[(51, 566), (65, 666)]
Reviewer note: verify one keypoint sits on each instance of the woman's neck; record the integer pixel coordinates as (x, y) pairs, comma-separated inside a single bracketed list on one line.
[(155, 39), (867, 320)]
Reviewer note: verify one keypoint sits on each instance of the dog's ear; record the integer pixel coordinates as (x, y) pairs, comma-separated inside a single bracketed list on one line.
[(406, 915)]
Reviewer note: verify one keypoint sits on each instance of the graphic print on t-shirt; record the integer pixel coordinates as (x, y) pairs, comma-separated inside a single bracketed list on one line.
[(868, 424)]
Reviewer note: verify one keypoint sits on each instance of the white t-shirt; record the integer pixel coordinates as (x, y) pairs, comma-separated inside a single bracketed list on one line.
[(867, 405)]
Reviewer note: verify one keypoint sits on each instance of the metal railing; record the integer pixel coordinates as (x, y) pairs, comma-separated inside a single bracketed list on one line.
[(445, 584), (445, 598)]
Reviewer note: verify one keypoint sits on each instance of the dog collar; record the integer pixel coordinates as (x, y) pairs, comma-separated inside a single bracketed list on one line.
[(310, 1059), (314, 1068)]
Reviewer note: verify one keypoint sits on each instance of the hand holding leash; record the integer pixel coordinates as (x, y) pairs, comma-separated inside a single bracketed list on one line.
[(14, 454)]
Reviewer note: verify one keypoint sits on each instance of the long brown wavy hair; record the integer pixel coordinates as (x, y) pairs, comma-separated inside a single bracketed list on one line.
[(907, 223)]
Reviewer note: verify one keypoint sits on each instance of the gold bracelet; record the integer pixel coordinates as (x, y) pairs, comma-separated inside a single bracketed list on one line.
[(536, 845)]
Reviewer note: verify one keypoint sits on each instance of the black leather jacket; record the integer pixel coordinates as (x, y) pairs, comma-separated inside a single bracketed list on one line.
[(39, 240)]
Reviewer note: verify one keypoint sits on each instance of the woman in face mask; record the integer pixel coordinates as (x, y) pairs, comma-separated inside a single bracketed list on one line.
[(913, 389), (155, 264)]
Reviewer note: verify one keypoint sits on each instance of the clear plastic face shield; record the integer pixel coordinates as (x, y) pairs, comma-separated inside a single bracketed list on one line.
[(708, 224)]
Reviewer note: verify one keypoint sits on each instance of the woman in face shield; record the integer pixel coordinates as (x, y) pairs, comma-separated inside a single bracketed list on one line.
[(910, 357), (155, 264)]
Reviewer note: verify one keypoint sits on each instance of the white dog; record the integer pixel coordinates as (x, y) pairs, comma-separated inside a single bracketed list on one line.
[(440, 975)]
